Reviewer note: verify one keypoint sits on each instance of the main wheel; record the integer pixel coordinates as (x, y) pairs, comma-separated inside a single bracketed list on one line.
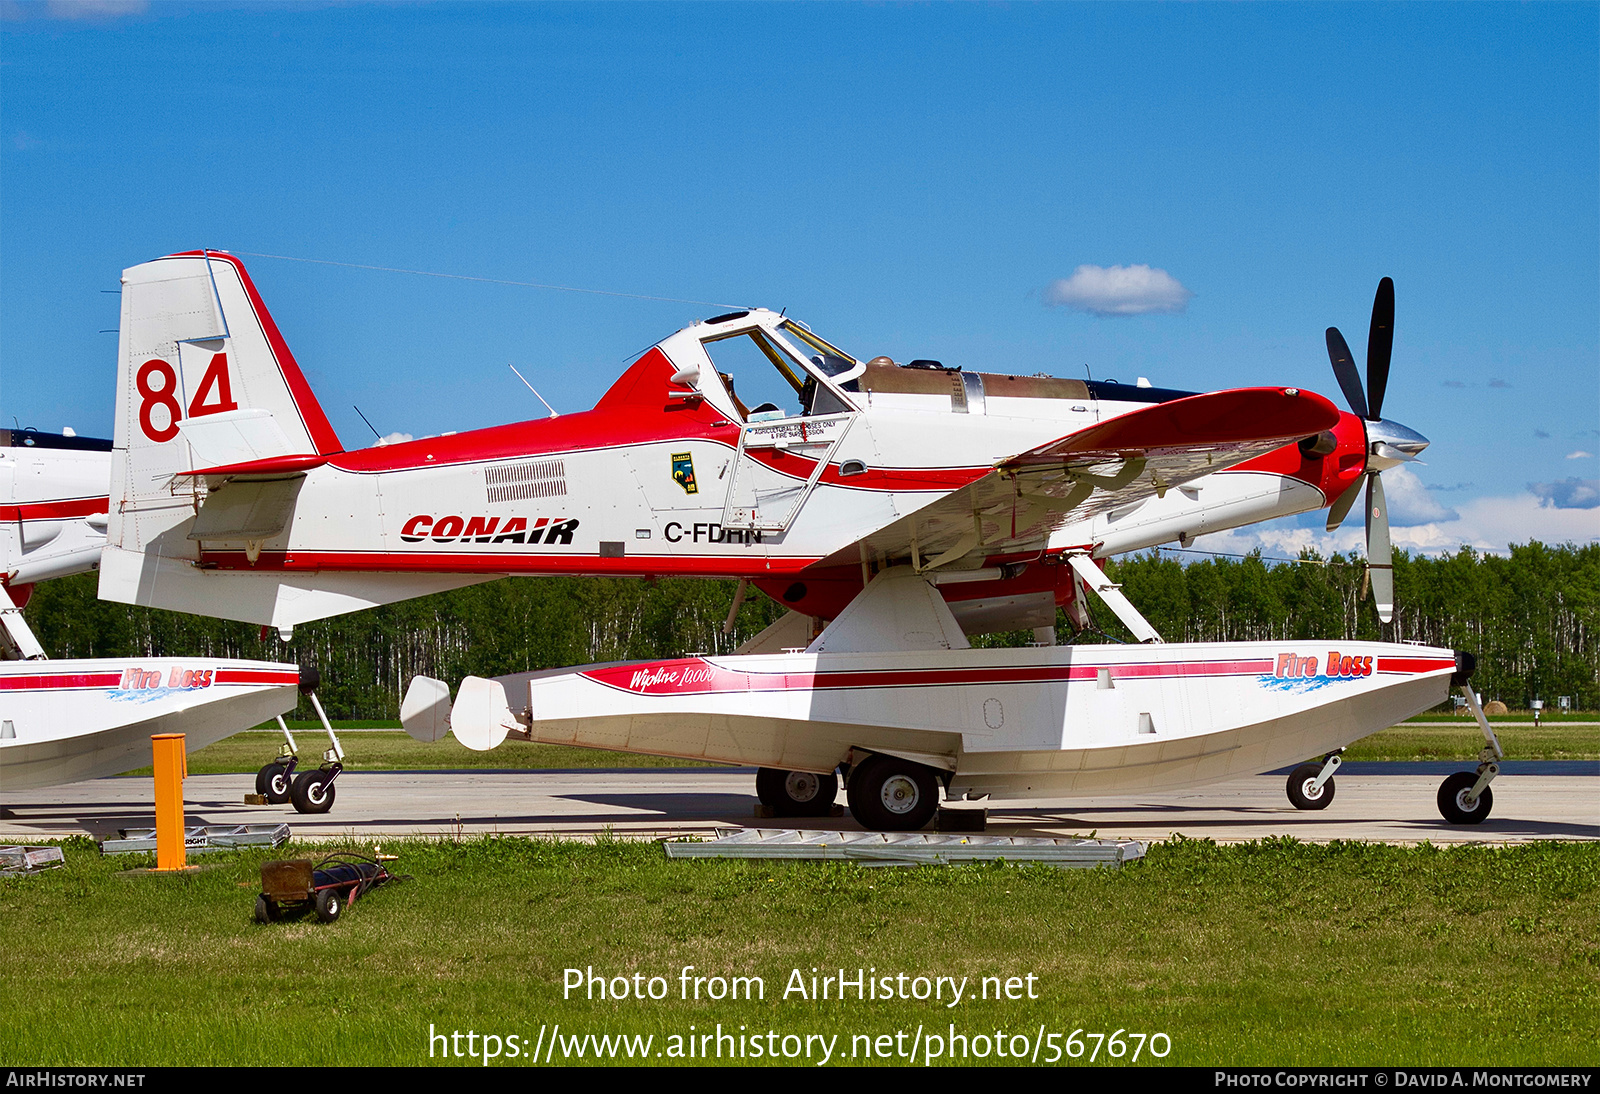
[(274, 781), (1302, 795), (312, 792), (329, 904), (264, 776), (265, 913), (888, 794), (797, 793), (1453, 799)]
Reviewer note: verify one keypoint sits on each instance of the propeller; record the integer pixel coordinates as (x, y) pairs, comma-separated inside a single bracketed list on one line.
[(1388, 443)]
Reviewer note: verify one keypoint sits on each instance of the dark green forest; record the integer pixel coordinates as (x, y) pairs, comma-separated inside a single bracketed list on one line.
[(1531, 617)]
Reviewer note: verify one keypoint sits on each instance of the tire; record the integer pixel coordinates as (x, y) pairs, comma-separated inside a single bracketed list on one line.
[(797, 793), (312, 792), (888, 794), (329, 903), (264, 776), (265, 912), (278, 782), (1454, 809), (1301, 796)]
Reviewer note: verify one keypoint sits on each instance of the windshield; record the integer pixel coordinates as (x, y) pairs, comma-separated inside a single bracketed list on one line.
[(828, 359)]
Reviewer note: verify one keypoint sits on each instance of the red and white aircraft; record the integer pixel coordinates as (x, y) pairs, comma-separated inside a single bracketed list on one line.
[(894, 509), (62, 721)]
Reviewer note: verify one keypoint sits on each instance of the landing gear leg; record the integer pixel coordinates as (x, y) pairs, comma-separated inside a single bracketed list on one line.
[(1465, 797), (274, 780), (312, 791), (1311, 785)]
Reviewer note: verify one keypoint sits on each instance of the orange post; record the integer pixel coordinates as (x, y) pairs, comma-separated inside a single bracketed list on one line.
[(171, 766)]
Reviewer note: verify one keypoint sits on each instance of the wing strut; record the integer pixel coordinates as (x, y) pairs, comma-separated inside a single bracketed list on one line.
[(1111, 593), (17, 642)]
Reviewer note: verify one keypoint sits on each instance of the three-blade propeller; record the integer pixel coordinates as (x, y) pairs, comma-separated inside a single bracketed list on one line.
[(1388, 443)]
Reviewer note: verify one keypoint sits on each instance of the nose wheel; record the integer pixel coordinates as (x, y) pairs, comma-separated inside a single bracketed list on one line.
[(1465, 797), (1311, 785)]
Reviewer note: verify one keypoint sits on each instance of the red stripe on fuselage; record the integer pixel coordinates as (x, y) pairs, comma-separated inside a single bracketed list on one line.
[(698, 676), (258, 676), (524, 564), (1412, 665), (57, 681), (55, 510)]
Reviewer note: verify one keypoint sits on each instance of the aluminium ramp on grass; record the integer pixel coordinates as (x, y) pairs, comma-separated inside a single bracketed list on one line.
[(212, 837), (907, 848), (19, 861)]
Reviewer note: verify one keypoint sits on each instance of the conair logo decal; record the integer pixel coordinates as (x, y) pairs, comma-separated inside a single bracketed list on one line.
[(487, 530)]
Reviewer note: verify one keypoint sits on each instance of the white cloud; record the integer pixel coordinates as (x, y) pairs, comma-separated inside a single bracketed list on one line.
[(1409, 501), (394, 438), (1580, 455), (1119, 290), (1486, 523), (1571, 493)]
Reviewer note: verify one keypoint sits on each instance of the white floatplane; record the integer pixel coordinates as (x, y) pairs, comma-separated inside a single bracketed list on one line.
[(904, 723), (83, 718)]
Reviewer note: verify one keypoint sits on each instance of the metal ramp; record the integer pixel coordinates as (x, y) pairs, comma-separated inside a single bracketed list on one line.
[(907, 848), (19, 861), (214, 837)]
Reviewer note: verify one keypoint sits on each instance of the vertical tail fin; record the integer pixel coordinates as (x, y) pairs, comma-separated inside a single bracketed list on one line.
[(204, 380), (202, 368)]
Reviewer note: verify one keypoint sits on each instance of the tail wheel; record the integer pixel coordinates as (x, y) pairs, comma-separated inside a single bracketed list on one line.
[(1303, 794), (797, 793), (888, 794), (312, 792), (1453, 803)]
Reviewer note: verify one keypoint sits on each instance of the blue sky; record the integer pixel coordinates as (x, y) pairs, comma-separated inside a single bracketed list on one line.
[(911, 180)]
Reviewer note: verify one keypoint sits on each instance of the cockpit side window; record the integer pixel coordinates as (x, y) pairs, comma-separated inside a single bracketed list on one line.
[(762, 380)]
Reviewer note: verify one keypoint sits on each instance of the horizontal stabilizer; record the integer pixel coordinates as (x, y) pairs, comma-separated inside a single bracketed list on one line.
[(269, 598), (246, 510), (273, 465)]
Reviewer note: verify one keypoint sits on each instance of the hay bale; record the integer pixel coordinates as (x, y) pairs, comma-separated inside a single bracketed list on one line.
[(1494, 706)]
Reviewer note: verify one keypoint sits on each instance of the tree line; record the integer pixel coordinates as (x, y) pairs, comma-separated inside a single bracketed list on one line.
[(1530, 617)]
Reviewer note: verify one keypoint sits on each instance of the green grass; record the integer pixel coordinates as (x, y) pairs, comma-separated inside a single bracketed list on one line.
[(1461, 740), (1273, 953), (1590, 717)]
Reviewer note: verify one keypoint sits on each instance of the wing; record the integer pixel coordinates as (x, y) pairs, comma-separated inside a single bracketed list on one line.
[(1015, 507)]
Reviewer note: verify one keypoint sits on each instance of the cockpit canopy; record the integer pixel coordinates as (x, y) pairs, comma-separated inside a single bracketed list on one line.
[(756, 365)]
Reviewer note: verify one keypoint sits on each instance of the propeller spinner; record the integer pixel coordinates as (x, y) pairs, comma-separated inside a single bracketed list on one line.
[(1388, 443)]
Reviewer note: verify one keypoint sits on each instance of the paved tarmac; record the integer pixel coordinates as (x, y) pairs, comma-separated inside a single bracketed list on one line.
[(1393, 805)]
